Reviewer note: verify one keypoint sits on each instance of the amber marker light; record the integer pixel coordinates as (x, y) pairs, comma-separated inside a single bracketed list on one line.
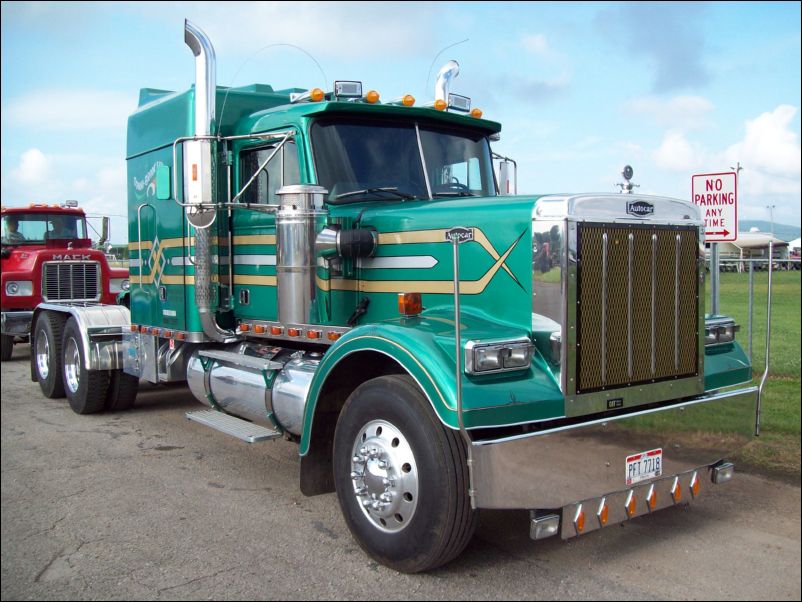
[(155, 331), (477, 113), (651, 499), (168, 333), (603, 513), (333, 336), (181, 336), (276, 330), (259, 329), (244, 327), (313, 334), (409, 304), (316, 95), (143, 329), (372, 97), (134, 327), (695, 485), (676, 491), (408, 100), (293, 332), (631, 504), (579, 519), (440, 104)]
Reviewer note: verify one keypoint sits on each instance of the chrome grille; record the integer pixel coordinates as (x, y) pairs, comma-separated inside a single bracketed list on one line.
[(637, 311), (71, 281)]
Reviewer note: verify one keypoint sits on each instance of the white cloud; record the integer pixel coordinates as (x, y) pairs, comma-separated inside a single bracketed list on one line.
[(770, 153), (677, 154), (69, 110), (33, 168), (535, 44), (678, 113)]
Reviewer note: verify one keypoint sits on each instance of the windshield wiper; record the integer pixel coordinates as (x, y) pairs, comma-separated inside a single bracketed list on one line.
[(390, 189), (454, 193)]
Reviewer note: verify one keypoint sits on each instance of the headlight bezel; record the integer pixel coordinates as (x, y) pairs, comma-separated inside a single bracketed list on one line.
[(720, 331), (19, 288)]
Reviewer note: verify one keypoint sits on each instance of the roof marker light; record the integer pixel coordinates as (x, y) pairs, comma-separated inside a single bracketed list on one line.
[(372, 97), (408, 100), (440, 104), (316, 95), (477, 113)]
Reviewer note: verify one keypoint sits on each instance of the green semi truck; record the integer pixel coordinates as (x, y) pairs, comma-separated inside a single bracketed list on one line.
[(344, 273)]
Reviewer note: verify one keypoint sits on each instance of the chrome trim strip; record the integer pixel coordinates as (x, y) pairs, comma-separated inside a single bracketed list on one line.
[(676, 300), (630, 252), (654, 300), (396, 263), (604, 311)]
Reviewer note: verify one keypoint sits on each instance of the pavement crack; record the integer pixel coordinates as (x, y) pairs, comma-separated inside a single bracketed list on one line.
[(167, 589)]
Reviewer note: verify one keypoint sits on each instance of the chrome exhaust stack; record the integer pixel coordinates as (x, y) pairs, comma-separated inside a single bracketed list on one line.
[(445, 76), (199, 180)]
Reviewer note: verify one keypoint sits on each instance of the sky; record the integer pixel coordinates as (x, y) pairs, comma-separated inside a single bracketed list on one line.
[(581, 88)]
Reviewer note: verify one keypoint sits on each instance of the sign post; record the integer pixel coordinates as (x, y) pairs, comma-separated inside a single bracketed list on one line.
[(716, 194)]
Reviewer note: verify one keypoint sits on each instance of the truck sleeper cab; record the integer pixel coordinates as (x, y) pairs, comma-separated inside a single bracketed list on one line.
[(344, 274)]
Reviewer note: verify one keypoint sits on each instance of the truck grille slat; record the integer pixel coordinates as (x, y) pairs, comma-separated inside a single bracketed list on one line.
[(71, 281), (637, 320)]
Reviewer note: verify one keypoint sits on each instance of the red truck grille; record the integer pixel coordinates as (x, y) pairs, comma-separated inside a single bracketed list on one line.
[(71, 281)]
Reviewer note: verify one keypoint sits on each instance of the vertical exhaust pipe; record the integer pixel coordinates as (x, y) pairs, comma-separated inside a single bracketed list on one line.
[(201, 190), (445, 76)]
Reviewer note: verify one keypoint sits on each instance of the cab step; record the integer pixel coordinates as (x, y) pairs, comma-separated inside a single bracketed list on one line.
[(231, 425)]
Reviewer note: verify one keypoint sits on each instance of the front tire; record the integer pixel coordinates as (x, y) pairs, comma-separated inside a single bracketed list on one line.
[(46, 355), (7, 348), (401, 477), (86, 389)]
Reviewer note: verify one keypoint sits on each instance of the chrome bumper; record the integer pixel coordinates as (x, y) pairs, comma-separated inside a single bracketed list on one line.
[(565, 466), (16, 323)]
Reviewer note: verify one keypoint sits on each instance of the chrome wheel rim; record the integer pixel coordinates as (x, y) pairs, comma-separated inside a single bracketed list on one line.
[(384, 476), (43, 355), (72, 365)]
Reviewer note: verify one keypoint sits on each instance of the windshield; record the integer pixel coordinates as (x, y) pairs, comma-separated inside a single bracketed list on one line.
[(36, 228), (374, 160)]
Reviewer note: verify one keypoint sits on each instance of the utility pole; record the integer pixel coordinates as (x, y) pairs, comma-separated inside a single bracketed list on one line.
[(771, 217)]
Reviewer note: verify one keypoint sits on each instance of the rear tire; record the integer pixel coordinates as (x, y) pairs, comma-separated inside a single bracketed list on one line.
[(86, 389), (46, 355), (7, 348), (401, 477), (122, 391)]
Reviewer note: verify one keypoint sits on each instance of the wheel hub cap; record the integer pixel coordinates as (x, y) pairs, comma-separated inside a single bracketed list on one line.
[(384, 476)]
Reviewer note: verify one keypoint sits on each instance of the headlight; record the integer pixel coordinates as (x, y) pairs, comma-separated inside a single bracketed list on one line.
[(720, 331), (19, 288), (118, 285), (497, 356)]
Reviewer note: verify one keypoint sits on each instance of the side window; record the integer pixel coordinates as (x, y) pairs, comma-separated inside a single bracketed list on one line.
[(281, 170)]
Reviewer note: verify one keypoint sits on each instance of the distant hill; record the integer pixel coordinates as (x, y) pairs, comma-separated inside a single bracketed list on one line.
[(781, 231)]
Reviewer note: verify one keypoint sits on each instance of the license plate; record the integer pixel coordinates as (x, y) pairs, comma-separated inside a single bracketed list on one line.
[(644, 466)]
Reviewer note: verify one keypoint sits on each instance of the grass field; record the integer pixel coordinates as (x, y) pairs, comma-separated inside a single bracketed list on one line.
[(777, 450)]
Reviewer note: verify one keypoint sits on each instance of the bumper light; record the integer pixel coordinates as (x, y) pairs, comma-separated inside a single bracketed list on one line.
[(722, 331), (541, 527), (723, 473)]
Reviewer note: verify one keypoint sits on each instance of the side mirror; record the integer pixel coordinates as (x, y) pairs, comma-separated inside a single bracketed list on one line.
[(105, 231), (507, 176)]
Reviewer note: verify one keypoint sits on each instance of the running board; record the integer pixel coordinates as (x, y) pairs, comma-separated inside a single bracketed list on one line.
[(231, 425)]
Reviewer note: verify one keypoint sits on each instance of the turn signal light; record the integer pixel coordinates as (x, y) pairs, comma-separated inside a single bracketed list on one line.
[(631, 504), (409, 304), (579, 519), (372, 97), (317, 95), (440, 104)]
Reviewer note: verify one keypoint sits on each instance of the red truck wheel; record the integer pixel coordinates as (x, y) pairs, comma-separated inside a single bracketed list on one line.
[(46, 353), (401, 477)]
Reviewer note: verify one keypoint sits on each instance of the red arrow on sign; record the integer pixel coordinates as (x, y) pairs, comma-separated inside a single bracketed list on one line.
[(722, 233)]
